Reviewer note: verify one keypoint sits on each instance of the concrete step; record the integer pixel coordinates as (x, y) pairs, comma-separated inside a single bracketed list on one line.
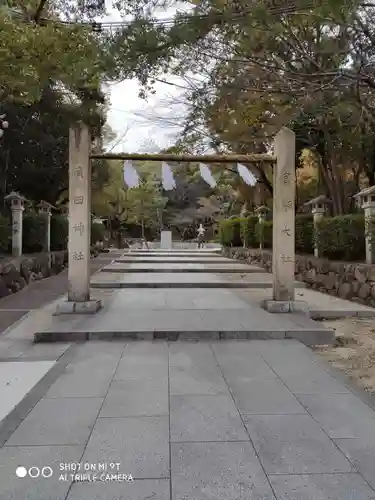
[(186, 324), (177, 260), (308, 336), (173, 252), (214, 270), (204, 284)]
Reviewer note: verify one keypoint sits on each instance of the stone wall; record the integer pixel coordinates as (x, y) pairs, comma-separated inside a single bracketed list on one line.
[(16, 273), (348, 280)]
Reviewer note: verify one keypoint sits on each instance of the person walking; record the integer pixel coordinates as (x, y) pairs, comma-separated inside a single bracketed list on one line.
[(201, 231)]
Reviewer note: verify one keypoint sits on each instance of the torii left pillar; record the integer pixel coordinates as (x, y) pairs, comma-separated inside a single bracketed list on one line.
[(79, 225)]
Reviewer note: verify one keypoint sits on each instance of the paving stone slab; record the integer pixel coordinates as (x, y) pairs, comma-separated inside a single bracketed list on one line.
[(341, 415), (140, 367), (159, 298), (131, 398), (217, 471), (243, 370), (294, 444), (188, 382), (322, 487), (47, 352), (264, 397), (192, 357), (17, 379), (86, 377), (311, 382), (140, 444), (62, 421), (145, 489), (27, 488), (205, 418), (361, 453), (193, 370), (320, 305)]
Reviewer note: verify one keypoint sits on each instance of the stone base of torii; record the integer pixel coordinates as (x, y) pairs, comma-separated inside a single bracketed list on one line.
[(284, 187)]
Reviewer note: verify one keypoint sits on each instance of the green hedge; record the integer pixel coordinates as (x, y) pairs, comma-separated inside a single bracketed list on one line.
[(33, 231), (264, 234), (248, 232), (97, 232), (304, 234), (59, 233), (230, 232), (5, 234), (342, 238)]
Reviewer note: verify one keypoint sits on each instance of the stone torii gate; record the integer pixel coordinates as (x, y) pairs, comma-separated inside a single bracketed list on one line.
[(79, 301)]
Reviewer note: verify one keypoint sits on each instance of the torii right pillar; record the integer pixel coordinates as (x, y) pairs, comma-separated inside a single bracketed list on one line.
[(283, 235)]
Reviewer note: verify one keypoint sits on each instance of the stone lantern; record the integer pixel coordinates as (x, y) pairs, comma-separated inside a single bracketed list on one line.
[(262, 213), (318, 206), (366, 200), (45, 210), (17, 203)]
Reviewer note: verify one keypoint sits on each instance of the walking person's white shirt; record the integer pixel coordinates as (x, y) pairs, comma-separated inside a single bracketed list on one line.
[(201, 231)]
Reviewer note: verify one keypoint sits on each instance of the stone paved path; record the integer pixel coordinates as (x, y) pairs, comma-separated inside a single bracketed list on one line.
[(207, 420), (191, 421), (182, 305)]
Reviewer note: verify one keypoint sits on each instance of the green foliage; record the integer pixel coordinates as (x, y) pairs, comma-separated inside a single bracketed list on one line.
[(342, 238), (33, 233), (59, 232), (304, 234), (230, 232), (34, 54), (5, 234), (264, 234), (248, 231), (97, 232), (253, 234)]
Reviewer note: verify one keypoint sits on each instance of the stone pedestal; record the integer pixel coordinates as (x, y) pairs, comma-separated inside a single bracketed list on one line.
[(166, 240), (79, 224), (17, 208), (370, 233), (17, 218), (283, 236), (45, 211), (366, 200), (319, 206), (262, 215), (318, 214)]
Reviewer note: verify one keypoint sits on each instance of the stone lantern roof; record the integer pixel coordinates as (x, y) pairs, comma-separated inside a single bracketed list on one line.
[(319, 200), (16, 200), (14, 196), (262, 209), (366, 197)]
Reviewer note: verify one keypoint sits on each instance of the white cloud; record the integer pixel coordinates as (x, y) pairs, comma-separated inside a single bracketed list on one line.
[(130, 117)]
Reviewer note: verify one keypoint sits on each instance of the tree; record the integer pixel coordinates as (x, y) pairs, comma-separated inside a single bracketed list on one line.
[(35, 53), (308, 66), (144, 205)]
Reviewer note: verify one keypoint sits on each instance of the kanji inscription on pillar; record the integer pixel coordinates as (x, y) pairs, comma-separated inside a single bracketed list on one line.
[(284, 217), (79, 213)]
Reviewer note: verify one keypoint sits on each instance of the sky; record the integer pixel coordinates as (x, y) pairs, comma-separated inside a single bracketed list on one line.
[(139, 124)]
